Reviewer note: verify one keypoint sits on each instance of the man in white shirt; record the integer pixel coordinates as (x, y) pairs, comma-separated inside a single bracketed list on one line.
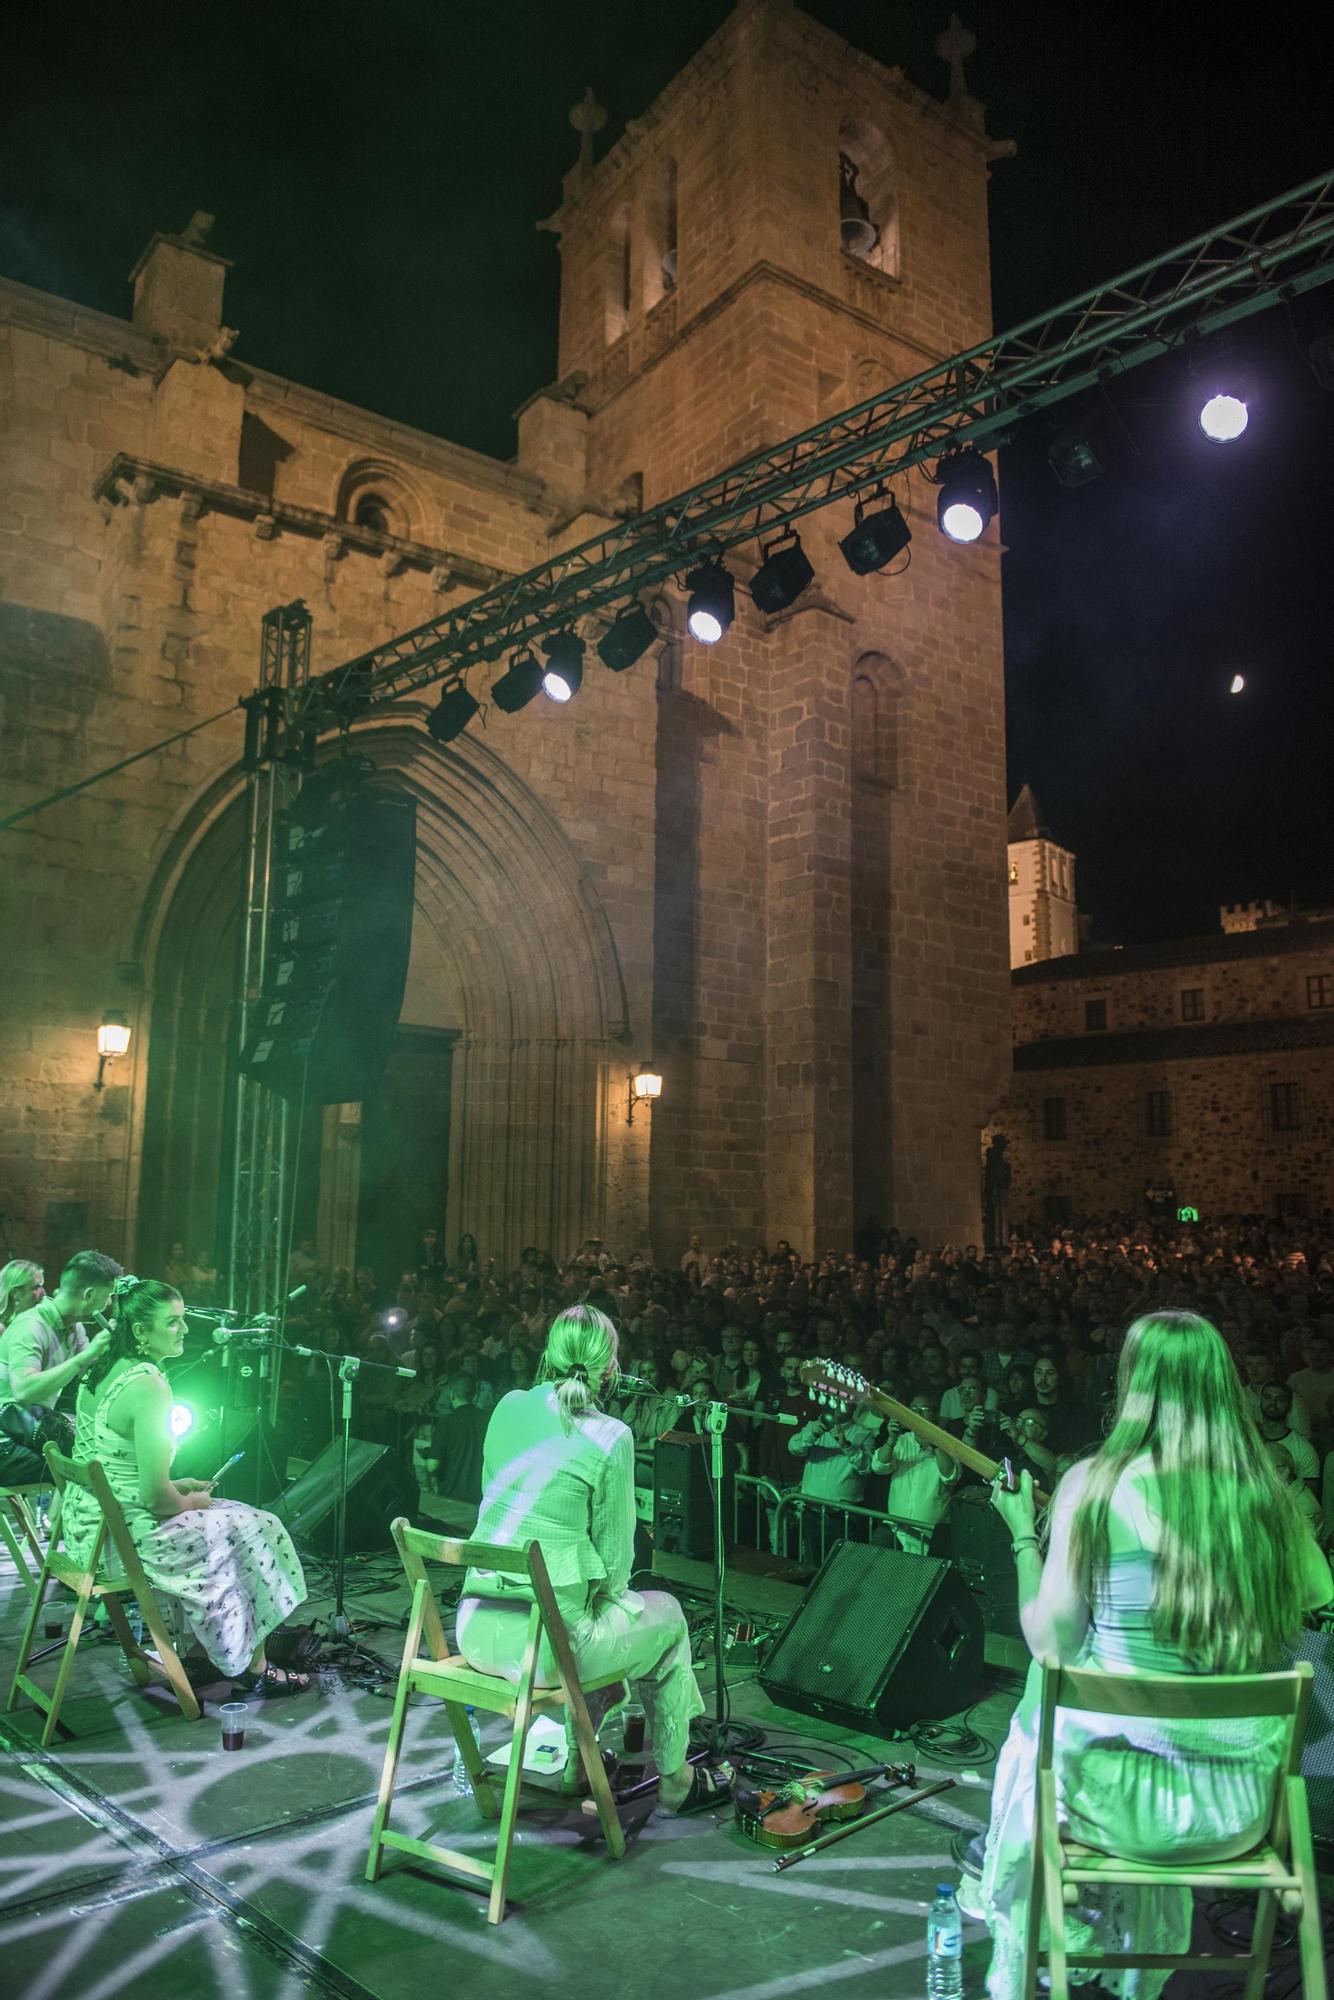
[(921, 1479), (1314, 1384), (43, 1350), (1276, 1428), (836, 1453)]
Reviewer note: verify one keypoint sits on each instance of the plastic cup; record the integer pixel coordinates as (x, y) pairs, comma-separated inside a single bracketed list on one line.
[(53, 1629), (233, 1715), (633, 1730)]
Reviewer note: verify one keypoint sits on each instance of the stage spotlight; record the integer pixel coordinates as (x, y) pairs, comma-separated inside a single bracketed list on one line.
[(181, 1420), (565, 666), (875, 538), (1223, 418), (517, 686), (783, 575), (967, 495), (1225, 390), (712, 602), (1082, 450), (454, 711), (628, 639)]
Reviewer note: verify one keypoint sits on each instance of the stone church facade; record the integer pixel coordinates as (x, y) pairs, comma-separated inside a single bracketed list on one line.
[(775, 867)]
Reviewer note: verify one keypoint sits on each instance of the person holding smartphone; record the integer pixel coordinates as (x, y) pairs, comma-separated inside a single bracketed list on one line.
[(226, 1572)]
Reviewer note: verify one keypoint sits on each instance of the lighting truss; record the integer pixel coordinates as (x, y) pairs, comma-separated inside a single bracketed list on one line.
[(1271, 253)]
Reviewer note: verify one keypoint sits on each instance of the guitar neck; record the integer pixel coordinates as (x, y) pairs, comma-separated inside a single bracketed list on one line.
[(932, 1434), (940, 1440)]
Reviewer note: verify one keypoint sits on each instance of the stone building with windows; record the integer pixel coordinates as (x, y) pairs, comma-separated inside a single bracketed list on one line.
[(1198, 1074), (772, 866)]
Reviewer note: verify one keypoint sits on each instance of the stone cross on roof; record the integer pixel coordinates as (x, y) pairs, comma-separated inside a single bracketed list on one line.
[(587, 117), (956, 43)]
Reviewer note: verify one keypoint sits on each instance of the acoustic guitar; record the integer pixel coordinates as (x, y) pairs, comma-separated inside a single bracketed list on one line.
[(831, 1384)]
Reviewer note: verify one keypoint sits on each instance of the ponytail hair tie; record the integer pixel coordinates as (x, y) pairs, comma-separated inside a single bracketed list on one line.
[(126, 1282), (578, 1368)]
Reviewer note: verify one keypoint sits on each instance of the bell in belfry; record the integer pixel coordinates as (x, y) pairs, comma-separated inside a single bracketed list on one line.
[(860, 234)]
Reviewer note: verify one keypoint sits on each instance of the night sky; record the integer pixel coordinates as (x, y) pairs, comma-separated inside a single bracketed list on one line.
[(377, 172)]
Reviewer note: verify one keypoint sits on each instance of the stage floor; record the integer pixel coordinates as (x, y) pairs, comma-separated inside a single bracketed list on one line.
[(139, 1858)]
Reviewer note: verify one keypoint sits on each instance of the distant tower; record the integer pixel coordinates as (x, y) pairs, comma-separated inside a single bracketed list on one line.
[(1044, 922)]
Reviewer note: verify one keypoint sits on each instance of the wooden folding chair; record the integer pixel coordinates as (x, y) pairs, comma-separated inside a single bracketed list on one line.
[(447, 1676), (20, 1534), (96, 1578), (1279, 1870)]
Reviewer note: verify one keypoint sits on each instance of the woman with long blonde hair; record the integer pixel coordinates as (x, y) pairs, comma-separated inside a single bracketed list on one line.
[(558, 1470), (1174, 1549)]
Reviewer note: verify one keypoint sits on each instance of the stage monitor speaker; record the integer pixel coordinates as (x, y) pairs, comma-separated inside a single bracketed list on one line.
[(379, 1489), (340, 934), (683, 1497), (881, 1640), (1318, 1749)]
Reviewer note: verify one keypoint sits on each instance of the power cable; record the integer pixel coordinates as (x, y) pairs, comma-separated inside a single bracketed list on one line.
[(71, 791)]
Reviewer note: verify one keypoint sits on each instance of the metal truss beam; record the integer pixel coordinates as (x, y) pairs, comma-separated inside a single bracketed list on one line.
[(1271, 253)]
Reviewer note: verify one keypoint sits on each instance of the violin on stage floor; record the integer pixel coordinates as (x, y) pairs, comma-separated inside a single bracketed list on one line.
[(791, 1815), (830, 1382)]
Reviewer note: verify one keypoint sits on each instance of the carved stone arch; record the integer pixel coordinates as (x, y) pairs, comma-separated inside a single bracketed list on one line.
[(375, 493), (862, 141), (533, 987), (878, 689)]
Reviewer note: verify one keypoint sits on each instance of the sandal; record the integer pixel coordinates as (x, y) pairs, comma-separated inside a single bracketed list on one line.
[(272, 1684), (710, 1787)]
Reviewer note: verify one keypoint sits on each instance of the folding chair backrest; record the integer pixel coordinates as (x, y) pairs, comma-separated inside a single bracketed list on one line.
[(418, 1546), (1182, 1698), (91, 1477)]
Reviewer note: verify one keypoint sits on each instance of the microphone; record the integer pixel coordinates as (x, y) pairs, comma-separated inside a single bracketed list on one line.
[(254, 1336), (299, 1293), (213, 1312)]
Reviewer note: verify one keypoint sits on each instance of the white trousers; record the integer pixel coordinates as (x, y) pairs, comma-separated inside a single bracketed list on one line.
[(649, 1646)]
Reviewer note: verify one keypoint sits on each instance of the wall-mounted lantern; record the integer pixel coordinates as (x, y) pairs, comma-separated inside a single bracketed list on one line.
[(645, 1085), (113, 1040)]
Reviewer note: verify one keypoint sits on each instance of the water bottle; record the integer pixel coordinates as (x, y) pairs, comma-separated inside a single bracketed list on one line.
[(463, 1783), (944, 1947)]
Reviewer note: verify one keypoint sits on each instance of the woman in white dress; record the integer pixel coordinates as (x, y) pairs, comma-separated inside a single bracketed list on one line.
[(1174, 1549), (225, 1571), (559, 1471)]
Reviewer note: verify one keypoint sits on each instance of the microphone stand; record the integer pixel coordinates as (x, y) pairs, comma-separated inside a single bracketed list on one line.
[(349, 1367), (716, 1411)]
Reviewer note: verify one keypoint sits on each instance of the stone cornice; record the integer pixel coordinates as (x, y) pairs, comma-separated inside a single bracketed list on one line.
[(129, 481), (124, 345)]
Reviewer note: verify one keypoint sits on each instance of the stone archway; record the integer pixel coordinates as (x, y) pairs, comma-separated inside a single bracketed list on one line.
[(514, 942)]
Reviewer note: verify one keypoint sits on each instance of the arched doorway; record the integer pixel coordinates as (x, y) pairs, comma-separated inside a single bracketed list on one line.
[(513, 962)]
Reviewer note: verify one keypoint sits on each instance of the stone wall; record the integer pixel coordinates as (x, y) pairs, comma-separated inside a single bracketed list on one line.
[(776, 867)]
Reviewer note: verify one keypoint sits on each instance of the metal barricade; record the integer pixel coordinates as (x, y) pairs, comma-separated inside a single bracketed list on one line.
[(806, 1529)]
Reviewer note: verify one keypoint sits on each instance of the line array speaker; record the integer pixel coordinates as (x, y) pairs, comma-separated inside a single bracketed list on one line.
[(339, 938)]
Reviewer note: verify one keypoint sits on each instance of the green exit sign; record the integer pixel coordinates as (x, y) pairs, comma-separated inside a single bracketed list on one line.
[(1188, 1215)]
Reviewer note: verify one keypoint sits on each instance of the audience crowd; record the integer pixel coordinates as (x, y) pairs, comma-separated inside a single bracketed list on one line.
[(1013, 1352)]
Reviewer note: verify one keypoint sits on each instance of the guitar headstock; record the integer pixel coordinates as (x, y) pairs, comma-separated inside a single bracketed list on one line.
[(833, 1386)]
